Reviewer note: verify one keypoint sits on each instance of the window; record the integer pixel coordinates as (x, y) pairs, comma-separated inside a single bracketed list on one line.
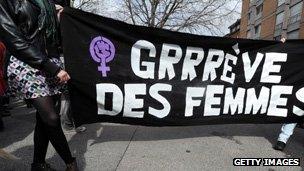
[(296, 9), (248, 34), (295, 13), (293, 34), (232, 30), (280, 2), (277, 37), (249, 16), (278, 27), (279, 21), (259, 10), (280, 18), (257, 31)]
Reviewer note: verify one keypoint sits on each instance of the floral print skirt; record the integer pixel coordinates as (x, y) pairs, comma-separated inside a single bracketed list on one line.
[(28, 83)]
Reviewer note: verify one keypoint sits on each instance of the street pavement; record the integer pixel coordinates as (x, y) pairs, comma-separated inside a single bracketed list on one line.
[(106, 146)]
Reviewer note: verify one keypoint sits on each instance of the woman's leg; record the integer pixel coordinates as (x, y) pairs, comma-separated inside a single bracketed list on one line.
[(41, 141), (51, 122), (286, 132)]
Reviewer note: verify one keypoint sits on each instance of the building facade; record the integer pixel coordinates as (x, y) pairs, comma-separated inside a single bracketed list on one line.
[(234, 29), (272, 19)]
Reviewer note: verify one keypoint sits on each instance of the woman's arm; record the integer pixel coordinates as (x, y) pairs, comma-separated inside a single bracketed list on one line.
[(59, 10), (19, 47)]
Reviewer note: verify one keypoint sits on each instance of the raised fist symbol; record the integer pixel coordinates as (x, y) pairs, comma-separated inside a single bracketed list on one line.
[(102, 51)]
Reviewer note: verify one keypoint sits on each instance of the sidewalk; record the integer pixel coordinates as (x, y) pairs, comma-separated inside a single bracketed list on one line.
[(106, 146)]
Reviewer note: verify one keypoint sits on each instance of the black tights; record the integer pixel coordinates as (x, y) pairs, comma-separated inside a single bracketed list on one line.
[(48, 128)]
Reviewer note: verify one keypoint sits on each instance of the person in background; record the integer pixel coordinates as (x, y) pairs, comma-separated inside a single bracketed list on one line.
[(35, 72), (2, 84), (67, 119), (286, 130), (6, 107), (3, 154), (4, 100), (65, 107)]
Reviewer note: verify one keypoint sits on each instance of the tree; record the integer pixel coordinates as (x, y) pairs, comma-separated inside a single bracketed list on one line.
[(194, 16), (92, 6)]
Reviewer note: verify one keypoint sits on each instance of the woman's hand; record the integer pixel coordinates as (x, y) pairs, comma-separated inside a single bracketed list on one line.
[(63, 76), (59, 10)]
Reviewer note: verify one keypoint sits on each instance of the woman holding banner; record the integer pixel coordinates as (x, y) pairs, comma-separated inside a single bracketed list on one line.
[(29, 29), (286, 130)]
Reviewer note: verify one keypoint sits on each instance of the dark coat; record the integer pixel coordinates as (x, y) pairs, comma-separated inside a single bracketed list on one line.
[(23, 38)]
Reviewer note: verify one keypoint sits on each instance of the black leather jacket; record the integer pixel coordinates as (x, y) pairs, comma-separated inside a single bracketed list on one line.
[(23, 38)]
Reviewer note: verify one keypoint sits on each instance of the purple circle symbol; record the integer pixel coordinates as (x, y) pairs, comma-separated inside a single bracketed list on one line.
[(102, 51)]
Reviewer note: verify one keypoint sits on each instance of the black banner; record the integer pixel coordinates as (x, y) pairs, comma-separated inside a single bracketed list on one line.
[(139, 75)]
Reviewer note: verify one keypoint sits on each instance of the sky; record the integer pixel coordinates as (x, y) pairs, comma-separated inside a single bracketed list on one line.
[(109, 9)]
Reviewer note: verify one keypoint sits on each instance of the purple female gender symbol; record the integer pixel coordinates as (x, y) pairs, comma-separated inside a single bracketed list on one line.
[(102, 51)]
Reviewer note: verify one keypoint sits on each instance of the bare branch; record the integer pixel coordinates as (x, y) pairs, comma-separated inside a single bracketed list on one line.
[(180, 15), (89, 5)]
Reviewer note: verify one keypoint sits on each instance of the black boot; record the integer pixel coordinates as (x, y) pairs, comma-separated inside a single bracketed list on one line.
[(72, 166), (279, 146), (41, 167)]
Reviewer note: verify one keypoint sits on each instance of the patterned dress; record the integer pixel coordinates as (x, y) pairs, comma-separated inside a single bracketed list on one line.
[(28, 83)]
